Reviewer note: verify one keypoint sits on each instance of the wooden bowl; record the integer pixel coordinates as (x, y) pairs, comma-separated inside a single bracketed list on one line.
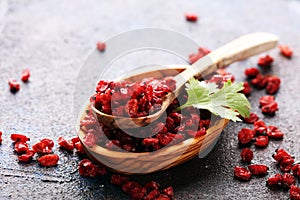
[(171, 155)]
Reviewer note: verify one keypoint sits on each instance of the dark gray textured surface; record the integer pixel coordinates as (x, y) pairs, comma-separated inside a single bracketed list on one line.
[(53, 38)]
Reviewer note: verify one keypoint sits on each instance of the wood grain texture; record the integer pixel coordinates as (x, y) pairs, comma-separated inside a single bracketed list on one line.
[(148, 162)]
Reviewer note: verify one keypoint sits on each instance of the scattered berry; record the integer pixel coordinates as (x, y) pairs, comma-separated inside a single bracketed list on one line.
[(288, 180), (14, 86), (273, 84), (21, 147), (191, 17), (169, 192), (25, 75), (259, 81), (274, 132), (242, 173), (27, 156), (65, 144), (48, 160), (44, 146), (265, 61), (262, 141), (101, 46), (296, 170), (252, 72), (270, 109), (260, 127), (295, 192), (88, 169), (286, 51), (18, 137), (251, 119), (284, 159), (258, 170), (245, 136), (247, 155), (265, 100), (247, 89), (275, 180), (117, 179)]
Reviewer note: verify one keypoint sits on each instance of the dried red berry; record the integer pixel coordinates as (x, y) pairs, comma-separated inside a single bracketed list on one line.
[(89, 139), (25, 75), (0, 137), (245, 136), (275, 180), (284, 159), (79, 147), (130, 186), (19, 137), (273, 84), (247, 155), (296, 170), (68, 145), (44, 146), (258, 170), (27, 156), (266, 100), (288, 180), (162, 197), (150, 141), (169, 192), (48, 142), (247, 89), (242, 173), (21, 147), (286, 164), (202, 51), (265, 61), (260, 127), (286, 51), (262, 141), (88, 169), (259, 81), (117, 179), (251, 119), (274, 132), (294, 193), (101, 46), (251, 72), (270, 109), (151, 186), (75, 139), (14, 86), (48, 160), (138, 193), (191, 17), (272, 88), (152, 195), (280, 154)]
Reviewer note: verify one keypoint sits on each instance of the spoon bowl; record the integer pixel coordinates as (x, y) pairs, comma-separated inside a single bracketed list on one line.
[(236, 50)]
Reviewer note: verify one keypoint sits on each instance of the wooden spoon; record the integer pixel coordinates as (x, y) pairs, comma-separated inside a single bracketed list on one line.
[(236, 50), (142, 163)]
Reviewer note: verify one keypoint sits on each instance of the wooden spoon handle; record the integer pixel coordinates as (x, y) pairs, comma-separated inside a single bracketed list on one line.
[(238, 49)]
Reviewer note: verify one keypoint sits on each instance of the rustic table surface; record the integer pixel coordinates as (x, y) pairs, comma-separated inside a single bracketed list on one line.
[(53, 38)]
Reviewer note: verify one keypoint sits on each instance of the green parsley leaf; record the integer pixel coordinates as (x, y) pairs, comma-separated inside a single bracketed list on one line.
[(226, 102)]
